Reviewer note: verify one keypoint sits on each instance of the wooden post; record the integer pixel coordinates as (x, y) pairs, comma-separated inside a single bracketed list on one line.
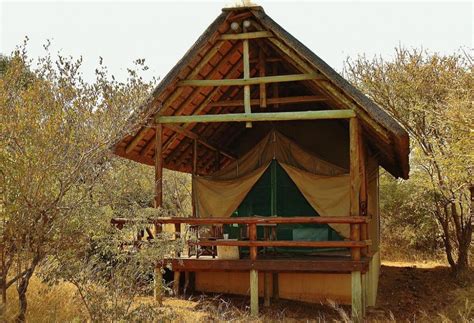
[(246, 60), (158, 282), (276, 289), (177, 276), (363, 197), (253, 292), (158, 290), (275, 85), (195, 156), (354, 137), (267, 289), (356, 287), (253, 272), (355, 190), (253, 237), (261, 70), (158, 165)]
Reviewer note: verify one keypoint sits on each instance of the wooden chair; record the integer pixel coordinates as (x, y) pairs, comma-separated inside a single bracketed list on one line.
[(215, 233)]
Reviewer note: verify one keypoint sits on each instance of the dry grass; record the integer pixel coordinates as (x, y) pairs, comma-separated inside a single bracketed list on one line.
[(47, 304), (422, 291)]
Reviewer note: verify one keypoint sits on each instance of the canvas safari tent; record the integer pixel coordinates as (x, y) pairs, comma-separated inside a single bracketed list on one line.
[(284, 156)]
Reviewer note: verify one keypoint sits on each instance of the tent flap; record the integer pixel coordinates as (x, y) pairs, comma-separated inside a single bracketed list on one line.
[(324, 185)]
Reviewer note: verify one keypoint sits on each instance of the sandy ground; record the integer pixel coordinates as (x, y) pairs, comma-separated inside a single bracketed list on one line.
[(422, 291)]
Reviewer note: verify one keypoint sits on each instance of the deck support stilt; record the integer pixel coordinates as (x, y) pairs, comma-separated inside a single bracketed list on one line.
[(356, 288), (254, 292), (267, 289), (158, 288), (177, 276), (186, 282), (276, 291)]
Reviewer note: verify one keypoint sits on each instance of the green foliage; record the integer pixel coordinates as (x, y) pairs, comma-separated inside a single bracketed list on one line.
[(61, 185), (431, 96)]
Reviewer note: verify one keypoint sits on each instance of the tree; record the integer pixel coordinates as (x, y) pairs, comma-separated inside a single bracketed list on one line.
[(56, 130), (431, 96)]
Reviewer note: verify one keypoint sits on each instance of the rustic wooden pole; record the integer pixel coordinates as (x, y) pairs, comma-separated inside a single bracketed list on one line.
[(246, 60), (254, 292), (262, 116), (276, 288), (158, 282), (356, 287), (261, 70), (363, 196), (177, 277), (158, 290), (355, 182), (267, 288), (355, 185), (253, 272), (276, 93)]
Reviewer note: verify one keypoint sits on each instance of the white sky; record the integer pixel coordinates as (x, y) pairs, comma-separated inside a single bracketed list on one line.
[(161, 32)]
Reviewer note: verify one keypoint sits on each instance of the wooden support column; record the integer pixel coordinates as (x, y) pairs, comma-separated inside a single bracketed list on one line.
[(158, 277), (177, 277), (267, 288), (246, 60), (261, 71), (195, 156), (363, 197), (158, 285), (253, 272), (355, 181), (254, 292), (356, 287), (276, 93), (276, 288), (158, 165)]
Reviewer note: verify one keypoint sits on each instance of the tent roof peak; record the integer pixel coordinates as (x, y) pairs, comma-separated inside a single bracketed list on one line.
[(214, 57)]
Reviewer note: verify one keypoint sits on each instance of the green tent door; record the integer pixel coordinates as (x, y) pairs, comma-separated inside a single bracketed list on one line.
[(275, 194)]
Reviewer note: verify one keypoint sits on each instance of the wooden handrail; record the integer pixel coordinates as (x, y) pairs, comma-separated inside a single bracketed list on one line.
[(283, 243), (254, 220)]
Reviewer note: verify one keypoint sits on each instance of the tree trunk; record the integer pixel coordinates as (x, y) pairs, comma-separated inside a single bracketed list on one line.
[(23, 301), (22, 288)]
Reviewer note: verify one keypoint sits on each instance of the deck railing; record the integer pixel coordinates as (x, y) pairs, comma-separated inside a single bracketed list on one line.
[(251, 222)]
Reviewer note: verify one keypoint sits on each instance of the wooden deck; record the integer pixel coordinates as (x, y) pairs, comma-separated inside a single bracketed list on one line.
[(308, 264)]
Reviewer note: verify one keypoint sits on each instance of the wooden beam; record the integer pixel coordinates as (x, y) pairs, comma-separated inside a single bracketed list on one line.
[(279, 100), (253, 244), (234, 69), (192, 135), (136, 140), (281, 219), (158, 166), (254, 80), (195, 72), (246, 36), (310, 265), (329, 88), (264, 116), (215, 72), (261, 71)]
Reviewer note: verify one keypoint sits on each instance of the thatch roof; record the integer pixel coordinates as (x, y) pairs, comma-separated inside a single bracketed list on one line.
[(387, 140)]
